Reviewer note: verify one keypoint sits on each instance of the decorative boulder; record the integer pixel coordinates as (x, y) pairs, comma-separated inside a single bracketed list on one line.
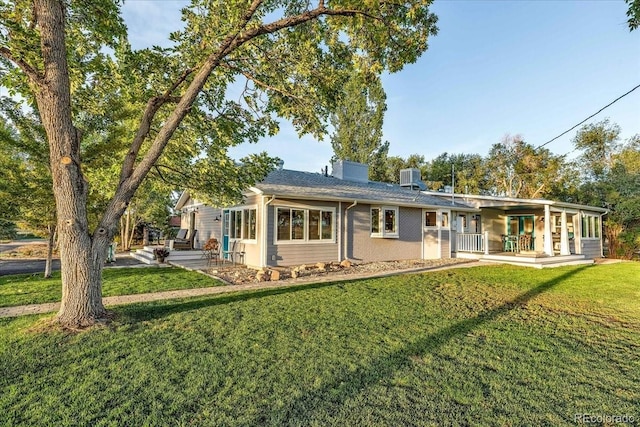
[(345, 263)]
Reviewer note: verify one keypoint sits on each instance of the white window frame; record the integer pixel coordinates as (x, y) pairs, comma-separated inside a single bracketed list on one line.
[(593, 223), (241, 210), (437, 219), (382, 233), (441, 216), (305, 240)]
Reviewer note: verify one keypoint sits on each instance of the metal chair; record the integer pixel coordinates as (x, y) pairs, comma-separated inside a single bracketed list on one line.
[(236, 252)]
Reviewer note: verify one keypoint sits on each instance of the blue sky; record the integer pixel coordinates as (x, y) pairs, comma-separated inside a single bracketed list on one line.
[(534, 68)]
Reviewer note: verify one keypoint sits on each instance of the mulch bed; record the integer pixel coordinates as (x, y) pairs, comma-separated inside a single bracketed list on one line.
[(241, 275)]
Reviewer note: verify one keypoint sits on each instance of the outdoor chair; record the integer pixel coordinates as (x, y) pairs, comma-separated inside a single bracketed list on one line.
[(185, 244), (510, 243), (236, 252), (182, 234), (211, 251)]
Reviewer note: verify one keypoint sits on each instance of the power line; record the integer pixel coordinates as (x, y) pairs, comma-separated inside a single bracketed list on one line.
[(594, 114)]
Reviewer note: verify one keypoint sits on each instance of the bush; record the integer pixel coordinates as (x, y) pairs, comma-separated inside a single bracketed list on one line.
[(7, 230)]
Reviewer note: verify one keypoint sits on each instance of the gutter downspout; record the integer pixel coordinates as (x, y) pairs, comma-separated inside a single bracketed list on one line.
[(265, 215), (339, 231), (346, 227)]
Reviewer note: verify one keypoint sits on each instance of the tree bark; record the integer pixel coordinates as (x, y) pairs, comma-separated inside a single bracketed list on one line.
[(81, 256)]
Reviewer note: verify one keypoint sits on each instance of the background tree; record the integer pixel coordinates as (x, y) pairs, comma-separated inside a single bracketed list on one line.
[(357, 123), (57, 56), (468, 168), (33, 206), (517, 169), (611, 179), (10, 184), (598, 142)]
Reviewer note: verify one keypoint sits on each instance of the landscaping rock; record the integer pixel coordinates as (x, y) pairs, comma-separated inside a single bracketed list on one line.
[(345, 263), (262, 275), (274, 275), (321, 266)]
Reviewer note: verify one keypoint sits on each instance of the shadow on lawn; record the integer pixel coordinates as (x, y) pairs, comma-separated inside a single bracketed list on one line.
[(150, 311), (327, 398)]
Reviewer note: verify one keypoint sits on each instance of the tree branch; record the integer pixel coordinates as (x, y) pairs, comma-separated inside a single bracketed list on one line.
[(130, 184), (258, 81), (153, 105), (31, 72)]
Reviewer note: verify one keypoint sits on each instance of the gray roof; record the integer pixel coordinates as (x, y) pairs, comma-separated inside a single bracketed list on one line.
[(315, 186)]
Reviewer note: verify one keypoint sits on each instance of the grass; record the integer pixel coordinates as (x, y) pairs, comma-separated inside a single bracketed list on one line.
[(495, 345), (33, 289)]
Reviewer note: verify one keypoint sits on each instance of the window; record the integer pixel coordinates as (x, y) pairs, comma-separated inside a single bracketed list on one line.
[(320, 225), (249, 224), (430, 219), (591, 227), (384, 221), (242, 224), (375, 220), (284, 224), (304, 225), (445, 220)]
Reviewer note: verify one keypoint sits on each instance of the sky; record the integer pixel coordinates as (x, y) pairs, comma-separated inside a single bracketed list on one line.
[(533, 68)]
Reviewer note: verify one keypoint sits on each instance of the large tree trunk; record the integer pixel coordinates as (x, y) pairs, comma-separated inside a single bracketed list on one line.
[(81, 256)]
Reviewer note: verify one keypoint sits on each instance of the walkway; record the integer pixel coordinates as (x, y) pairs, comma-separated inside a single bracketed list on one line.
[(24, 310)]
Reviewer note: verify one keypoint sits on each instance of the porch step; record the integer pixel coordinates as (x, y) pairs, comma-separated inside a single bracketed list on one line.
[(146, 255), (538, 261)]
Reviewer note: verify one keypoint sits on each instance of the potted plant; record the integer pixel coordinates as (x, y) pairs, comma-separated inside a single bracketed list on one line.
[(161, 254)]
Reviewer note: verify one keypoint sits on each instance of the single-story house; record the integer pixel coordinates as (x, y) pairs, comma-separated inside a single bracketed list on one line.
[(294, 217)]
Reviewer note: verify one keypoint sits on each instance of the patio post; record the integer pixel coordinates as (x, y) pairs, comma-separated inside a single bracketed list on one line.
[(486, 243), (548, 242), (564, 235)]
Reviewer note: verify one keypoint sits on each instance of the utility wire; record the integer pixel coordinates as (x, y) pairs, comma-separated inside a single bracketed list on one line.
[(594, 114)]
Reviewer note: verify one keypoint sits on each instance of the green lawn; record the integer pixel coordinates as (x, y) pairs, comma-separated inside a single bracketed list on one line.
[(494, 345), (33, 289)]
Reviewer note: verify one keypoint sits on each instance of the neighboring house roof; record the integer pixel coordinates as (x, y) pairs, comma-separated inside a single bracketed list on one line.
[(175, 221), (315, 186)]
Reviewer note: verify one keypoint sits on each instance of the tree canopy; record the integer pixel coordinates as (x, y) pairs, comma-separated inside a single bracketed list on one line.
[(70, 62)]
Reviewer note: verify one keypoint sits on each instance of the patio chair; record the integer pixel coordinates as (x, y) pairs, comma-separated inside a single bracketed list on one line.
[(185, 244), (236, 252), (510, 243), (211, 251)]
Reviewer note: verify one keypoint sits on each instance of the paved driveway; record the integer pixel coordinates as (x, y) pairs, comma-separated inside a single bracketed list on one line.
[(35, 266)]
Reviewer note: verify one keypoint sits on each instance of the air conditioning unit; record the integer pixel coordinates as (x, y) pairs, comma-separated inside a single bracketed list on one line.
[(411, 178)]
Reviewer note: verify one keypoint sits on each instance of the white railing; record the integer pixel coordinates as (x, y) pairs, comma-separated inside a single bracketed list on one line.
[(472, 242)]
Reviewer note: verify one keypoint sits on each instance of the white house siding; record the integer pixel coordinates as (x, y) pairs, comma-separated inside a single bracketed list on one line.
[(445, 243), (252, 247), (362, 247), (287, 254), (204, 222), (494, 221)]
